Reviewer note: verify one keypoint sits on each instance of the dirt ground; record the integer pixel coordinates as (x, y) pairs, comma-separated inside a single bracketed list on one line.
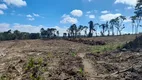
[(66, 60)]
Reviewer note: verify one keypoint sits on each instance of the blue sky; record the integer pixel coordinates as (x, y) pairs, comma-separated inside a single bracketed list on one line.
[(31, 15)]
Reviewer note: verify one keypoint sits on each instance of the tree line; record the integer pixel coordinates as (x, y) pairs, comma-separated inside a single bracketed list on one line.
[(109, 27), (106, 29), (17, 35)]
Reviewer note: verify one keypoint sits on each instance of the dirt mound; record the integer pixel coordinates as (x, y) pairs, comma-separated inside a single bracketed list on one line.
[(89, 42), (135, 44)]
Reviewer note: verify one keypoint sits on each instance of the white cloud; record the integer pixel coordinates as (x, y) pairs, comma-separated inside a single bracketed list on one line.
[(18, 3), (4, 27), (68, 19), (3, 6), (92, 16), (1, 12), (35, 29), (130, 7), (29, 16), (91, 11), (88, 12), (27, 28), (36, 15), (109, 16), (31, 19), (104, 12), (128, 2), (77, 13)]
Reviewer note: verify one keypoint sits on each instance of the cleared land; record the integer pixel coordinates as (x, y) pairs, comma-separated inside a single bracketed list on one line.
[(67, 60)]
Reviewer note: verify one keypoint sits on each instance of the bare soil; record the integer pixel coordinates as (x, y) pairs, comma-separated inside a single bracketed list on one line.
[(66, 60)]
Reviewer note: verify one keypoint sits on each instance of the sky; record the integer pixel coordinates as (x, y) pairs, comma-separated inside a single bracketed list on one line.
[(32, 15)]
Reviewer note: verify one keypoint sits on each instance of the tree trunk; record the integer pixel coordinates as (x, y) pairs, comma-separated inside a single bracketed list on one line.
[(113, 31), (132, 29), (117, 32), (136, 30)]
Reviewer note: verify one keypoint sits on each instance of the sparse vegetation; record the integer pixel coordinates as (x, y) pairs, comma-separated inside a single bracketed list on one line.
[(107, 48), (35, 68), (74, 54)]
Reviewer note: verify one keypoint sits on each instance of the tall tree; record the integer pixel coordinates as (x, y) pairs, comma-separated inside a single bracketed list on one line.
[(119, 24), (64, 35), (112, 25), (51, 32), (104, 28), (91, 29), (133, 18), (17, 34), (43, 33), (138, 12), (73, 30), (58, 33), (96, 27), (79, 29), (85, 30)]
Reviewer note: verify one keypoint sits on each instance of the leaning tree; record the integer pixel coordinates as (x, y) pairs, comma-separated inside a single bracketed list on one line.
[(119, 24), (138, 12), (104, 28), (133, 19)]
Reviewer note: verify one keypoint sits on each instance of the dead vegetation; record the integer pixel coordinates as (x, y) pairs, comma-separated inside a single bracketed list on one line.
[(89, 42)]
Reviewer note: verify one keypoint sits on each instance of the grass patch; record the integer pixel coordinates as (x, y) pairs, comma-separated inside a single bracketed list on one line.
[(73, 54), (106, 48), (34, 68), (81, 70)]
